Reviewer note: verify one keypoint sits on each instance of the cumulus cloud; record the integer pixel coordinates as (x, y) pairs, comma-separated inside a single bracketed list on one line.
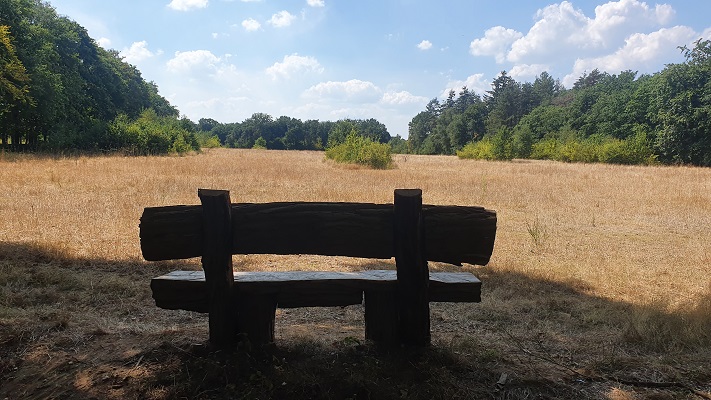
[(560, 29), (187, 5), (315, 3), (137, 52), (187, 60), (402, 98), (525, 71), (282, 19), (425, 45), (640, 52), (352, 90), (496, 42), (251, 25), (293, 64), (104, 42), (475, 83)]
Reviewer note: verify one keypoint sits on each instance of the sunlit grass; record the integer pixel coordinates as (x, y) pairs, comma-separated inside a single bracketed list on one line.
[(595, 266)]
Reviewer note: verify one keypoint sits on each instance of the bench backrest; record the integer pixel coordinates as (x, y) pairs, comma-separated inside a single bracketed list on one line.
[(406, 230), (453, 234)]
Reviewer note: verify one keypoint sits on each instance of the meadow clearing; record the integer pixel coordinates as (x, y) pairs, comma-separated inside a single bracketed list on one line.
[(599, 285)]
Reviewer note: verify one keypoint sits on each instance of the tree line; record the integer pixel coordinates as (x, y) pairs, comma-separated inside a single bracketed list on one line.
[(618, 118), (287, 133), (60, 91)]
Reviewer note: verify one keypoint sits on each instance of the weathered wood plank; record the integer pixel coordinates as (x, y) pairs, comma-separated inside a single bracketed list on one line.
[(413, 303), (185, 290), (217, 264), (454, 234)]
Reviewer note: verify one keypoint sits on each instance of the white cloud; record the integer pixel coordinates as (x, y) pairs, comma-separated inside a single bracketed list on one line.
[(104, 42), (137, 52), (187, 5), (706, 34), (187, 60), (251, 25), (640, 52), (425, 45), (522, 72), (561, 29), (282, 19), (293, 64), (496, 42), (352, 90), (401, 98), (315, 3), (475, 83)]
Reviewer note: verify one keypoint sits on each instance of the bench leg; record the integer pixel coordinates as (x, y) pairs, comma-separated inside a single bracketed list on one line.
[(381, 317), (255, 317)]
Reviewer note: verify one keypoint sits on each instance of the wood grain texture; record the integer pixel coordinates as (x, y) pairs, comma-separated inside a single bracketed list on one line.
[(217, 264), (413, 303), (454, 234), (186, 290)]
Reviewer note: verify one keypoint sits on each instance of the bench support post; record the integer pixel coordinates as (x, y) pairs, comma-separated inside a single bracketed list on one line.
[(381, 317), (412, 271), (217, 263), (255, 316)]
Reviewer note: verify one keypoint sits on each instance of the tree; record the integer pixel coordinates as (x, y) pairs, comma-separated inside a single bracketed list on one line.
[(683, 108), (504, 102), (76, 87), (14, 89), (207, 124)]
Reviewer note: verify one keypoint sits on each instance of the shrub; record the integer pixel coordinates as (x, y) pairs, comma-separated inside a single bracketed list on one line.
[(636, 149), (502, 144), (149, 134), (208, 141), (260, 143), (357, 149), (546, 149), (495, 147), (481, 150)]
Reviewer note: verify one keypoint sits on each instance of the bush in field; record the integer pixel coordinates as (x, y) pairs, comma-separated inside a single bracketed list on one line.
[(636, 149), (260, 144), (208, 141), (481, 150), (357, 149), (501, 146), (149, 134)]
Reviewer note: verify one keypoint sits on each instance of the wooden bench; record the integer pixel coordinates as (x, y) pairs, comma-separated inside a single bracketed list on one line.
[(396, 302)]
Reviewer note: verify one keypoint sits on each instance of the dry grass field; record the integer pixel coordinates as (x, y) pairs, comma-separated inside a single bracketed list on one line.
[(599, 286)]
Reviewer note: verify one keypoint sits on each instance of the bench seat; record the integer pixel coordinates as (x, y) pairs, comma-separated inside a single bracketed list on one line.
[(186, 290)]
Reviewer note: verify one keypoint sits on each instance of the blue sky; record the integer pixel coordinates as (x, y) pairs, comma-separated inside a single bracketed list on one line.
[(383, 59)]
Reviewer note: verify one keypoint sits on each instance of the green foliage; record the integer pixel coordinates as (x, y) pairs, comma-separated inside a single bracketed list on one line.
[(208, 141), (480, 150), (260, 143), (149, 134), (502, 144), (612, 118), (636, 149), (522, 143), (360, 150), (66, 89), (399, 145)]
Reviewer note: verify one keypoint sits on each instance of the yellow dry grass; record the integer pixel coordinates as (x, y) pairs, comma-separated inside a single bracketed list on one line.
[(633, 234), (599, 286)]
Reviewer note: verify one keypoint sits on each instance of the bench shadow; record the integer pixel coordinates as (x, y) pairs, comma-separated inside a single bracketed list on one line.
[(87, 328)]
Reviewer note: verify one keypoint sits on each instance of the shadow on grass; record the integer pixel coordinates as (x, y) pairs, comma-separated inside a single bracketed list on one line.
[(88, 328)]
